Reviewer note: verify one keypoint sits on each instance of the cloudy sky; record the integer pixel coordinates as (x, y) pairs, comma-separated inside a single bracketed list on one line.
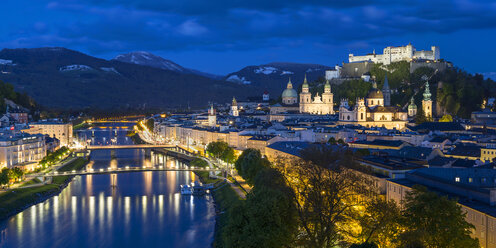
[(221, 36)]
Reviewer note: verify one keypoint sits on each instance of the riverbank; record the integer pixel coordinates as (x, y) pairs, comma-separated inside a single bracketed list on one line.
[(224, 198), (16, 200)]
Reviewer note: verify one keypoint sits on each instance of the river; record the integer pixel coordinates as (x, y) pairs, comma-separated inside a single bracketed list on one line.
[(136, 209)]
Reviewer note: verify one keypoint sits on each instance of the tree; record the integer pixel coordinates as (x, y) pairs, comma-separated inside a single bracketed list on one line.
[(228, 155), (364, 245), (4, 177), (420, 117), (332, 141), (216, 149), (446, 118), (435, 221), (267, 218), (249, 163), (150, 124), (326, 194), (380, 222)]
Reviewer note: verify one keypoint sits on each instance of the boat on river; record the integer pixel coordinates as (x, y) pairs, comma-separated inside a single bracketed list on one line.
[(186, 189)]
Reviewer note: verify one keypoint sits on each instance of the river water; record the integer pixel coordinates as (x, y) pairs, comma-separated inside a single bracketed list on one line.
[(136, 209)]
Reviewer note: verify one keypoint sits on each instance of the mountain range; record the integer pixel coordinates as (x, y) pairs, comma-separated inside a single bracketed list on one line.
[(66, 79)]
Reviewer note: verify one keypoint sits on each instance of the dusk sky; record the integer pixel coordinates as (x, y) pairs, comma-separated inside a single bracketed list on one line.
[(224, 36)]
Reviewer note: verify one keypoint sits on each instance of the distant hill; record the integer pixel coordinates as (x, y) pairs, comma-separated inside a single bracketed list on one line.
[(274, 76), (62, 78), (149, 59)]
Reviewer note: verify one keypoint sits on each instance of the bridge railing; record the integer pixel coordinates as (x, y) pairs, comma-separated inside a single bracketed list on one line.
[(131, 169)]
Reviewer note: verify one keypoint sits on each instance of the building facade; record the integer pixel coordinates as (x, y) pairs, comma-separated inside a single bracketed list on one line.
[(427, 102), (61, 131), (395, 54), (372, 112), (318, 105), (19, 149), (234, 108)]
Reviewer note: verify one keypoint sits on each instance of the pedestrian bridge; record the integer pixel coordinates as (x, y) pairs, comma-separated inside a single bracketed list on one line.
[(112, 147), (128, 169)]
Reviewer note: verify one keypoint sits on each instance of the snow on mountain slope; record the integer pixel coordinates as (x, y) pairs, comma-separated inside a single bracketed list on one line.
[(148, 59)]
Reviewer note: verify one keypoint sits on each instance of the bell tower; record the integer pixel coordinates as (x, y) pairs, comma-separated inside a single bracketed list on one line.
[(427, 102), (305, 96), (212, 117), (234, 108)]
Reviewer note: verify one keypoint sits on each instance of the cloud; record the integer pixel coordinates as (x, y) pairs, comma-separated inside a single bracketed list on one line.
[(191, 28), (111, 26)]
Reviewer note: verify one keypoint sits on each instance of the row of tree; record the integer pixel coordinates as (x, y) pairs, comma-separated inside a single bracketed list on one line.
[(221, 150), (53, 157), (10, 174), (327, 200)]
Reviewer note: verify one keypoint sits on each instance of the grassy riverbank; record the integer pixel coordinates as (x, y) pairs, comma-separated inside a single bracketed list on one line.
[(16, 200), (225, 197)]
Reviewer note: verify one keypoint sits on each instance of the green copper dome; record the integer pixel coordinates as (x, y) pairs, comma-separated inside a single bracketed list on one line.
[(412, 105), (327, 85), (289, 91)]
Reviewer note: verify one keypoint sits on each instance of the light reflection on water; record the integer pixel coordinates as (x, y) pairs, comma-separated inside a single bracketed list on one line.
[(144, 209)]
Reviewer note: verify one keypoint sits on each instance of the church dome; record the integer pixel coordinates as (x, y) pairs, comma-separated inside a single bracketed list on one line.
[(375, 93), (289, 93), (412, 105)]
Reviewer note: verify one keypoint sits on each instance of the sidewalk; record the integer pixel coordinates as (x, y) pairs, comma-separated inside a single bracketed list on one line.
[(235, 187)]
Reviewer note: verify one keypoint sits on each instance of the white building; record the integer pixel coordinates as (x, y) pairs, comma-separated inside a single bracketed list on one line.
[(212, 117), (372, 112), (61, 131), (331, 74), (318, 105), (234, 108), (19, 149), (396, 54)]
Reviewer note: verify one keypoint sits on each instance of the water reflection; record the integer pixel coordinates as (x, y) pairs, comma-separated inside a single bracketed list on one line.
[(141, 209)]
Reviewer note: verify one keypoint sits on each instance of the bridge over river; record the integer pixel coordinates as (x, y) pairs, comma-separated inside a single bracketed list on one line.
[(129, 169), (142, 146)]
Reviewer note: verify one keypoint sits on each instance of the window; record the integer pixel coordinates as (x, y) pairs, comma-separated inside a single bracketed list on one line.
[(470, 180), (457, 179), (483, 180), (361, 116)]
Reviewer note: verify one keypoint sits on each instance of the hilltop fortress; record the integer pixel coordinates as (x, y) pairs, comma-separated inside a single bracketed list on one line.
[(395, 54)]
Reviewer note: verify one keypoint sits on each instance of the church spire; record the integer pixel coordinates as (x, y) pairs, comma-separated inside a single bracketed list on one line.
[(305, 83), (386, 83), (290, 85), (427, 92), (327, 87)]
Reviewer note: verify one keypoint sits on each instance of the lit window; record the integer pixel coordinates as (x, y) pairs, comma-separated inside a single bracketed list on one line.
[(457, 179), (470, 180)]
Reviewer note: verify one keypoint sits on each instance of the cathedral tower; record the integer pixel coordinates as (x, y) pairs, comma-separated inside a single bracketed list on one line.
[(305, 96), (427, 102), (328, 98)]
